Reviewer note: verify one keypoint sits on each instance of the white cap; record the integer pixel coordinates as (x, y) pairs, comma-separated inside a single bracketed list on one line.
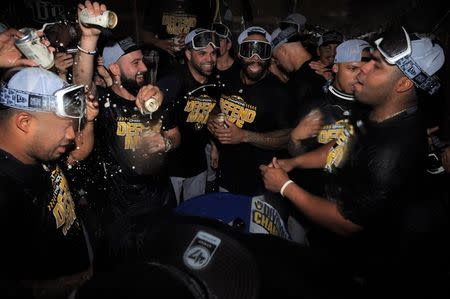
[(36, 80), (254, 29)]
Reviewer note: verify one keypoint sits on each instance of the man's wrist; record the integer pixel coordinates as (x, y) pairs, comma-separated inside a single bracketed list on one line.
[(283, 188)]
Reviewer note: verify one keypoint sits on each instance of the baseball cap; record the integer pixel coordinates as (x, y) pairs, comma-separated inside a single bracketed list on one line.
[(210, 252), (36, 80), (351, 50), (296, 20), (113, 52), (282, 36), (141, 280), (330, 37), (419, 58), (39, 90), (254, 29)]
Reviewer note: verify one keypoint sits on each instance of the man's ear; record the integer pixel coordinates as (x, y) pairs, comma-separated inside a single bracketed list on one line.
[(188, 54), (335, 68), (114, 69), (23, 121), (404, 84)]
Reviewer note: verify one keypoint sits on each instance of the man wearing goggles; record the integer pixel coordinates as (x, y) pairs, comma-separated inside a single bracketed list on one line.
[(396, 48), (377, 192), (192, 94), (67, 102), (255, 106), (201, 52), (222, 30), (227, 66), (40, 117)]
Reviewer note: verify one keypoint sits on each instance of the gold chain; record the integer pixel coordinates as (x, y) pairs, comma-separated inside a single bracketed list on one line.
[(394, 114)]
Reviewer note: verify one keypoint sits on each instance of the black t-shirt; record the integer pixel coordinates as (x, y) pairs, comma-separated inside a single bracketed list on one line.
[(261, 107), (229, 74), (384, 169), (304, 86), (336, 108), (192, 103), (117, 166), (382, 176), (166, 19), (42, 235)]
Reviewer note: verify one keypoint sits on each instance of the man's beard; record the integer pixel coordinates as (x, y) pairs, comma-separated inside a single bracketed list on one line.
[(255, 76), (201, 71), (131, 85)]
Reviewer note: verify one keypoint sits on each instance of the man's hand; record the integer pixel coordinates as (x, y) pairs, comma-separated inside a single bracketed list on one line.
[(308, 127), (95, 9), (167, 45), (273, 176), (230, 134), (62, 62), (146, 92), (151, 143), (10, 56), (287, 164), (321, 69), (91, 108)]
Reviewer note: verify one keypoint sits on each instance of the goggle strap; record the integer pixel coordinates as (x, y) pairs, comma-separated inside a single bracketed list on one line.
[(26, 100), (410, 68)]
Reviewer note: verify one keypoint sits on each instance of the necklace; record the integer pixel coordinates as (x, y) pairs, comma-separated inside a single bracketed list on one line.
[(396, 113)]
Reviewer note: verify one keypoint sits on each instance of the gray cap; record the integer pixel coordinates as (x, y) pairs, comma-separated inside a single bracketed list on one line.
[(280, 37), (254, 29), (295, 18), (112, 53), (351, 50)]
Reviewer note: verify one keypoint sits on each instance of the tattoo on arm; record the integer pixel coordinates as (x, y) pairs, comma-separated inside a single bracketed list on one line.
[(269, 140)]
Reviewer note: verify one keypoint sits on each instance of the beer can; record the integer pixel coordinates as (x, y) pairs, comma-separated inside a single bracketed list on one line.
[(150, 106), (108, 19), (32, 47), (220, 118)]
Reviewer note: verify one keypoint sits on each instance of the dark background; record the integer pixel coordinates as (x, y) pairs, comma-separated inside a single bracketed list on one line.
[(354, 18)]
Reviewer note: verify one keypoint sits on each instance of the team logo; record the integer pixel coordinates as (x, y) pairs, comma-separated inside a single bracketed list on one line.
[(201, 250)]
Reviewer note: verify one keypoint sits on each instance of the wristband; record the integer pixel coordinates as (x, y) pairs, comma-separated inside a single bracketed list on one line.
[(86, 52), (284, 187)]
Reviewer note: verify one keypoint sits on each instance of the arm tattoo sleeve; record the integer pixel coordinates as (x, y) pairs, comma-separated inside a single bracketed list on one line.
[(269, 140)]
